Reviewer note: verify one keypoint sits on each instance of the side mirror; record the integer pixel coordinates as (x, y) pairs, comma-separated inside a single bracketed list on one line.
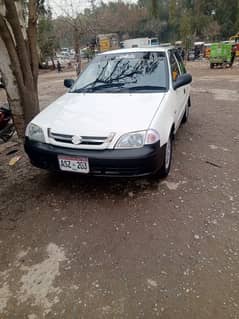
[(182, 80), (68, 83)]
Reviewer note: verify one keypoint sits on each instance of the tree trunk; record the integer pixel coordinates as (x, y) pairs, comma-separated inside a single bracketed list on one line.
[(12, 91), (53, 63), (19, 62), (77, 43), (32, 39), (77, 50)]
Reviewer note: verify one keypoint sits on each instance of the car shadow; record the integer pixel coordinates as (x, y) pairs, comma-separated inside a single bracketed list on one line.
[(43, 190), (98, 186)]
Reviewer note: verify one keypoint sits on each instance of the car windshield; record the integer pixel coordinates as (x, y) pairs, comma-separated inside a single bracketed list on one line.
[(124, 72)]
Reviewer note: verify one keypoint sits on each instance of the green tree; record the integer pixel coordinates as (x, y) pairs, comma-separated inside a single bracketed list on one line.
[(186, 27), (46, 37), (227, 17)]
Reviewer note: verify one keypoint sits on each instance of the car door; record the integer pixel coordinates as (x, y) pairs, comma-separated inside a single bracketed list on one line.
[(183, 71), (179, 94)]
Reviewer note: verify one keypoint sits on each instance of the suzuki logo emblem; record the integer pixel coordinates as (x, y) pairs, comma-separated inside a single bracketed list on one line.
[(76, 139)]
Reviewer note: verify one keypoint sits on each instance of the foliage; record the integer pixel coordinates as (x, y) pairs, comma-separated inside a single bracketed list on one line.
[(169, 20), (197, 19), (46, 35)]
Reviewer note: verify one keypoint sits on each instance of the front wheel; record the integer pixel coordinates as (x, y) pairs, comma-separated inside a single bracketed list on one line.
[(186, 112), (167, 159)]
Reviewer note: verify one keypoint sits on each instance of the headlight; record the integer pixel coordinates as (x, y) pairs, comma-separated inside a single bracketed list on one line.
[(35, 133), (131, 140), (138, 139)]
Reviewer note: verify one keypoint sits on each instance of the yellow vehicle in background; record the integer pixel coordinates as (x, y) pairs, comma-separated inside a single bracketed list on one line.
[(207, 50), (107, 42), (235, 39)]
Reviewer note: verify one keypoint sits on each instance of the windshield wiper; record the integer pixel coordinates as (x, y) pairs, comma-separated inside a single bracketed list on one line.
[(146, 88), (119, 87), (113, 86), (89, 87)]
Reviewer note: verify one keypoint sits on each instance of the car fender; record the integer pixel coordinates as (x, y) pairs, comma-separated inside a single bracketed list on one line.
[(164, 120), (166, 130), (164, 126)]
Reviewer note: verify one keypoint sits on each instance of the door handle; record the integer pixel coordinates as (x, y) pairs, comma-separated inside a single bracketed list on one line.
[(184, 90)]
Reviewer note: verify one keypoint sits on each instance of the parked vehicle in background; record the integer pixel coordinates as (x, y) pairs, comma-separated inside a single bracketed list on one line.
[(235, 40), (64, 55), (140, 43), (199, 49), (179, 44), (83, 53), (221, 55), (165, 44), (180, 49), (65, 50), (87, 53), (119, 117), (7, 127), (107, 42), (207, 50), (191, 55)]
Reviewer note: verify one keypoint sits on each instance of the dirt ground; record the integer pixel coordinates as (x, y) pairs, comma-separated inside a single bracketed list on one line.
[(92, 248)]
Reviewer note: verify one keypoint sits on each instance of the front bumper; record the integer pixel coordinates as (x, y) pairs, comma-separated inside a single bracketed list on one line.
[(136, 162)]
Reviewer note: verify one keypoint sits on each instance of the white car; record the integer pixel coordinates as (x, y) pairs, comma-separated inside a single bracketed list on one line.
[(117, 119)]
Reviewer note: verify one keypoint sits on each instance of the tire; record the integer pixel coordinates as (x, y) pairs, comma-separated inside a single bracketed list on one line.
[(211, 65), (186, 113), (167, 159)]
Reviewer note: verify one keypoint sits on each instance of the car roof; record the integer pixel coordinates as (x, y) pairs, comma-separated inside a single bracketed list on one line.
[(133, 50)]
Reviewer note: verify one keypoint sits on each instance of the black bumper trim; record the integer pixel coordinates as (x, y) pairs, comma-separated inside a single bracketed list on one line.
[(136, 162)]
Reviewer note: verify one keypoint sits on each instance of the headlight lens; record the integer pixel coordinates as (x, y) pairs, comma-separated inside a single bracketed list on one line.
[(131, 140), (35, 133), (138, 139)]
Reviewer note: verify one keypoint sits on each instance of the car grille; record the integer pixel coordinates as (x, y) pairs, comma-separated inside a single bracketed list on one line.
[(86, 140)]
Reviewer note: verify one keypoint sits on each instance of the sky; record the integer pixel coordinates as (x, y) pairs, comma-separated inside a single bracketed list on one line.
[(60, 7)]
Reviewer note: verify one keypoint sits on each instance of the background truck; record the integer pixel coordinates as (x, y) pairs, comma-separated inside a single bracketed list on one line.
[(139, 43), (220, 55), (107, 42), (235, 40)]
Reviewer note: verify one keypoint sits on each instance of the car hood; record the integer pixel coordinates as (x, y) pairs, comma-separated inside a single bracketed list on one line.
[(100, 114)]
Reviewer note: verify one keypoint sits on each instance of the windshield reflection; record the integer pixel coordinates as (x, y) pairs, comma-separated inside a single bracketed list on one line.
[(134, 72)]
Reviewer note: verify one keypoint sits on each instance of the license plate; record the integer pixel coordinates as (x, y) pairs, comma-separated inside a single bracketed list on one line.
[(74, 164)]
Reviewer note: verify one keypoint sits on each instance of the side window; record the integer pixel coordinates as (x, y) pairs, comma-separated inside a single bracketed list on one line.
[(175, 72), (180, 62)]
